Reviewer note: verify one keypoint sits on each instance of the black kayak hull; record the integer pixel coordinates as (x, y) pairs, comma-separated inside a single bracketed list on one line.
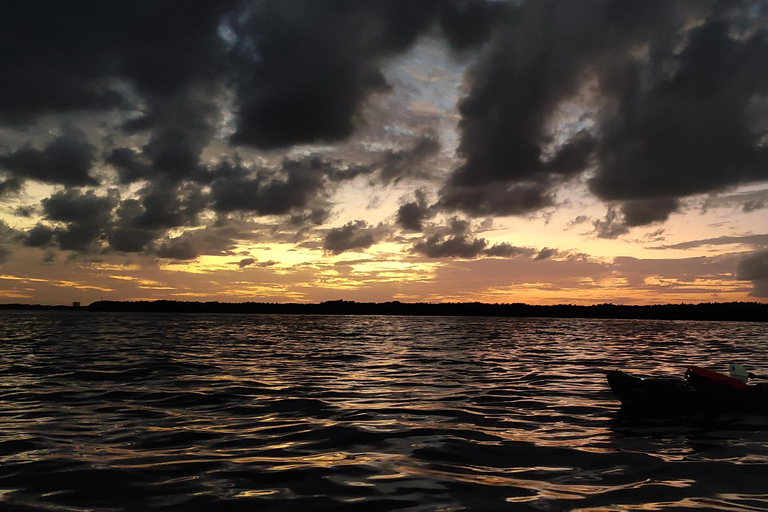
[(678, 396)]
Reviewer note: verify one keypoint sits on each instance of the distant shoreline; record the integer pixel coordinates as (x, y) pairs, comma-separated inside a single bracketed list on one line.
[(719, 311)]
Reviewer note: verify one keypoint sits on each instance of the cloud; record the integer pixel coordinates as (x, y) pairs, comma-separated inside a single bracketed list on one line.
[(131, 239), (164, 206), (758, 241), (393, 165), (315, 217), (181, 126), (245, 262), (89, 222), (457, 246), (177, 250), (642, 212), (39, 236), (748, 202), (353, 235), (307, 65), (647, 102), (10, 186), (130, 165), (294, 187), (611, 226), (491, 199), (303, 68), (685, 116), (692, 130), (411, 215), (754, 267), (84, 215), (403, 163), (67, 160), (546, 253), (7, 235), (457, 241), (505, 250), (53, 62)]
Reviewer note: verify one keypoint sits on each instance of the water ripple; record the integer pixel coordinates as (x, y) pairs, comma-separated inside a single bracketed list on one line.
[(106, 412)]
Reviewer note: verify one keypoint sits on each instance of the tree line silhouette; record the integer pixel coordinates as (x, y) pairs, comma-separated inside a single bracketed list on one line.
[(741, 311), (733, 311)]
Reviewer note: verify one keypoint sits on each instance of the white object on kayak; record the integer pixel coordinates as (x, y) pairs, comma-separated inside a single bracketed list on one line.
[(739, 372)]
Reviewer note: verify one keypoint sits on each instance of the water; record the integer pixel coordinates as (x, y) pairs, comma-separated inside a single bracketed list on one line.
[(106, 412)]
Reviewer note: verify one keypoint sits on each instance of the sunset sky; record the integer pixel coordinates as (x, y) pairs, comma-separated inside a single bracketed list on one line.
[(539, 151)]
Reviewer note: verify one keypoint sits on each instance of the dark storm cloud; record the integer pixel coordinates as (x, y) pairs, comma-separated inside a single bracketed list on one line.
[(39, 236), (60, 57), (209, 240), (10, 186), (162, 59), (612, 226), (181, 125), (692, 132), (89, 222), (642, 212), (84, 217), (393, 165), (131, 166), (676, 98), (48, 65), (403, 163), (296, 71), (505, 250), (457, 246), (639, 212), (79, 207), (245, 262), (516, 86), (314, 217), (159, 206), (657, 100), (353, 235), (293, 187), (25, 210), (754, 267), (411, 215), (8, 235), (177, 250), (490, 199), (304, 67), (167, 206), (131, 239), (67, 160), (546, 253)]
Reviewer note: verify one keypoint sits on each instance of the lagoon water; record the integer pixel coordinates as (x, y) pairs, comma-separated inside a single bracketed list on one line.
[(135, 412)]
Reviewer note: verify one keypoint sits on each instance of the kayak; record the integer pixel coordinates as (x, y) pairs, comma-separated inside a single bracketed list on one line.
[(701, 390)]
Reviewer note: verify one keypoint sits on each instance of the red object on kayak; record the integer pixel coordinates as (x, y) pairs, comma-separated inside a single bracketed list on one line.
[(699, 376)]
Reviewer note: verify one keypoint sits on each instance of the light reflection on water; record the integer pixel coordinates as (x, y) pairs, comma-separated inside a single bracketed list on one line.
[(153, 412)]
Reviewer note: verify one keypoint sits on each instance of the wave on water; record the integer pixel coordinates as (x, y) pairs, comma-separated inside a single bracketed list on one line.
[(268, 412)]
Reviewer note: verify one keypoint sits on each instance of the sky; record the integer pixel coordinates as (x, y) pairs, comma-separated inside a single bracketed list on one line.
[(537, 151)]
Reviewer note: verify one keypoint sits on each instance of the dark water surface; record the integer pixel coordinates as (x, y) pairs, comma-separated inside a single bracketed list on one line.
[(108, 412)]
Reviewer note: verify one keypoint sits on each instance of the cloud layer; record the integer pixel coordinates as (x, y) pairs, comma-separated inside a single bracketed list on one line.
[(149, 121)]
